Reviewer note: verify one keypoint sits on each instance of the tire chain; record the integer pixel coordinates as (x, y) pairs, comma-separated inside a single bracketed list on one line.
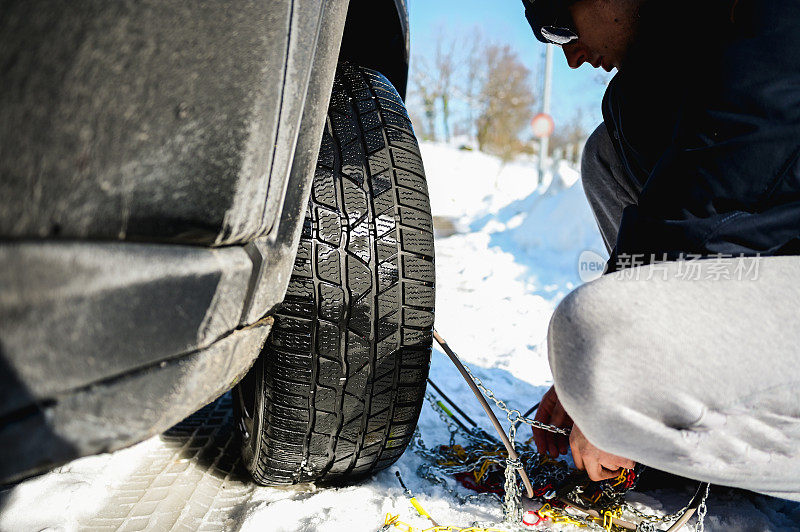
[(512, 508), (511, 504)]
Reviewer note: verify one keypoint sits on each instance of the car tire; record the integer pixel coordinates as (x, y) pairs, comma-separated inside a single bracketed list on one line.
[(337, 391)]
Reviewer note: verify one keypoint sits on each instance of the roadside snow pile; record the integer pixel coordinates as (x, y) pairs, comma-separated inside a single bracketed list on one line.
[(509, 256), (546, 232), (464, 184), (544, 226)]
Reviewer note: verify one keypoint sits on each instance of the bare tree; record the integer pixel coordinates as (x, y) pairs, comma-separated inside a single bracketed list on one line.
[(481, 90), (474, 65), (445, 66), (505, 103), (424, 85), (570, 136)]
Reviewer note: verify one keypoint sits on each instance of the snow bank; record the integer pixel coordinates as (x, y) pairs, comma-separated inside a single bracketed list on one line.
[(464, 183), (544, 226)]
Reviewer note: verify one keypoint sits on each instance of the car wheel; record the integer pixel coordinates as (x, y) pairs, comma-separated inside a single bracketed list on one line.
[(337, 391)]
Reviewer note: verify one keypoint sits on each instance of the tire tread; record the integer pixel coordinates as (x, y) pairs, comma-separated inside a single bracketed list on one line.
[(360, 300)]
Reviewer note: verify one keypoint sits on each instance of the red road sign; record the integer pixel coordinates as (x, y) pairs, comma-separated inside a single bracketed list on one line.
[(542, 125)]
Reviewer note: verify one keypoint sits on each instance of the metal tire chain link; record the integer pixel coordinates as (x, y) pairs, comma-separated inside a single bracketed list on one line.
[(452, 428), (512, 503), (424, 471), (649, 521), (701, 512), (513, 415), (668, 518), (512, 508), (434, 457)]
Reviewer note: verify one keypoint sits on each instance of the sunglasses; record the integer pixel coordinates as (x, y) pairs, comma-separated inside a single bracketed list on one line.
[(551, 21)]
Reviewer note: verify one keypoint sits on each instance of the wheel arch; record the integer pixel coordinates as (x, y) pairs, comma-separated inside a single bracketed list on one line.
[(383, 47)]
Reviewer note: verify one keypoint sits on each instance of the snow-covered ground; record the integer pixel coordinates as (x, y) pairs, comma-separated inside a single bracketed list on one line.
[(507, 252)]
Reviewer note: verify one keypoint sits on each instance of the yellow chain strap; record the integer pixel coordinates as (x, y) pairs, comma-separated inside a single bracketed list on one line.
[(394, 521), (557, 516), (608, 517)]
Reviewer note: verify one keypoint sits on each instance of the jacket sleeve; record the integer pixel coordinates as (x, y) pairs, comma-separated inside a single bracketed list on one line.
[(729, 183)]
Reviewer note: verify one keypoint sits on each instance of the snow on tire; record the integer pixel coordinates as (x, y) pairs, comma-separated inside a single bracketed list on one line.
[(338, 389)]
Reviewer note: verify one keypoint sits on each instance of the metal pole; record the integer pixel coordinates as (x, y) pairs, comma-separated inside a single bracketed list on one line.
[(486, 408), (544, 143)]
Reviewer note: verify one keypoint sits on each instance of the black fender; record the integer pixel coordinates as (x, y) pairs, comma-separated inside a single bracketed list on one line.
[(383, 46)]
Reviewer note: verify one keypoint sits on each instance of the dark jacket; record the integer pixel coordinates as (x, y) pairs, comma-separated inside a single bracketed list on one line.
[(708, 121)]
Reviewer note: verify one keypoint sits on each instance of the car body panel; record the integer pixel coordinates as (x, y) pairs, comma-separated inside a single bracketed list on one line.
[(151, 205), (109, 106)]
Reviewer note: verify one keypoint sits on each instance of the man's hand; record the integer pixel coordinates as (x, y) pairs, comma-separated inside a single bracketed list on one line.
[(599, 465), (551, 412)]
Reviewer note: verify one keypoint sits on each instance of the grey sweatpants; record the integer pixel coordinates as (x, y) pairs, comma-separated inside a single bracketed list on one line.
[(690, 367)]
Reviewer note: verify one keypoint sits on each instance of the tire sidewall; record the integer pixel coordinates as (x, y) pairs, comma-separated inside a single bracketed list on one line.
[(251, 440)]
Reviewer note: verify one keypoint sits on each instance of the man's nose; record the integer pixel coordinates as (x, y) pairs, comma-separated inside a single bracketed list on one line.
[(575, 53)]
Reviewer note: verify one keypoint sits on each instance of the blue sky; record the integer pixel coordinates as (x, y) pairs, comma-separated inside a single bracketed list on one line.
[(503, 21)]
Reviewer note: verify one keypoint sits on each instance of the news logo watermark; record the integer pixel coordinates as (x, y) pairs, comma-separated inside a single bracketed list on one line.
[(591, 266), (684, 266)]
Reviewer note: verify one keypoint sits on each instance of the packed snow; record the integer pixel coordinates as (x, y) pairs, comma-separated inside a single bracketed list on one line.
[(507, 251)]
